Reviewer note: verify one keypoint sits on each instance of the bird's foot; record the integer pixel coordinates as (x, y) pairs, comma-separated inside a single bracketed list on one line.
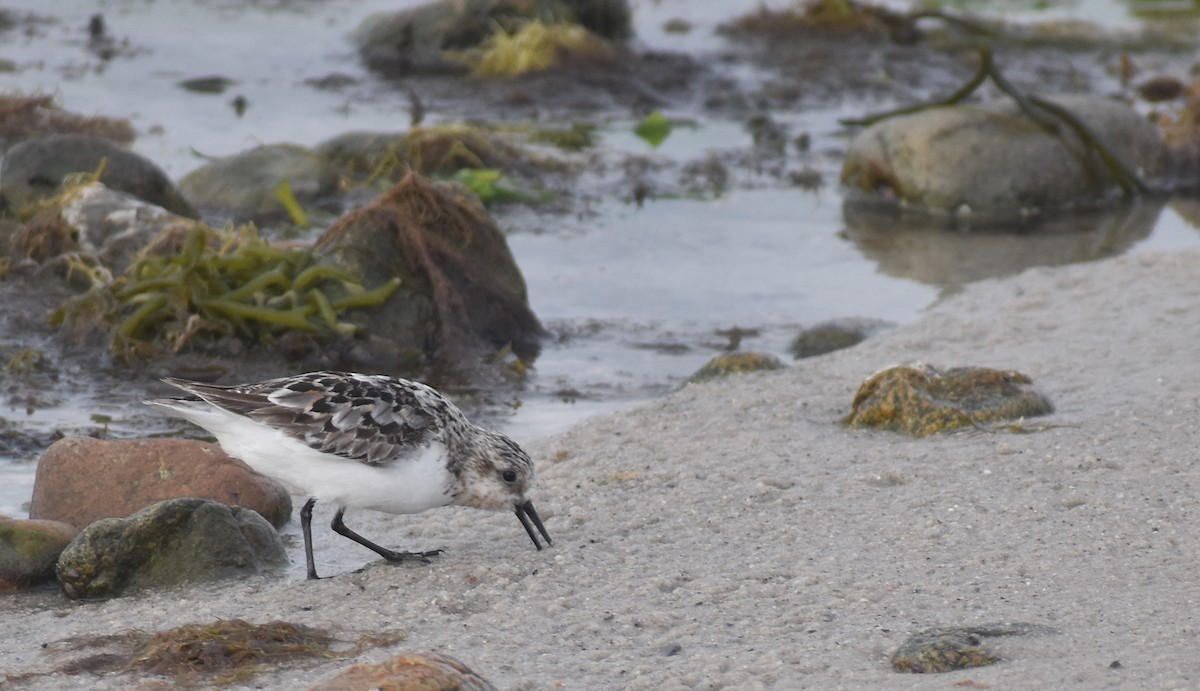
[(422, 557)]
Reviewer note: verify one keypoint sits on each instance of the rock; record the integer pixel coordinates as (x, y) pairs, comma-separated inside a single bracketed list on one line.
[(109, 225), (171, 543), (920, 400), (990, 162), (29, 549), (408, 672), (827, 337), (734, 363), (35, 169), (81, 480), (362, 155), (442, 150), (942, 651), (28, 117), (461, 294), (416, 40), (945, 650), (242, 186)]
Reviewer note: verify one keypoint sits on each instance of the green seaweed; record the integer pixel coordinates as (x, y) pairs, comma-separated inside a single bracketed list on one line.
[(283, 193), (654, 129), (228, 283)]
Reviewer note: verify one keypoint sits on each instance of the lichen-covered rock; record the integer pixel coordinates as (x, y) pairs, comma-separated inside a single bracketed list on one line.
[(461, 293), (408, 672), (35, 169), (174, 542), (990, 161), (920, 400), (735, 363), (29, 549), (81, 480), (242, 187)]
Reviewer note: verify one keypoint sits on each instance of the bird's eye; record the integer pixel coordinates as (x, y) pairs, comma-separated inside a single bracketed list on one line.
[(509, 476)]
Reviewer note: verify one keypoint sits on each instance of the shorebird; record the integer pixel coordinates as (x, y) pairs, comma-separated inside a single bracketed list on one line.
[(363, 441)]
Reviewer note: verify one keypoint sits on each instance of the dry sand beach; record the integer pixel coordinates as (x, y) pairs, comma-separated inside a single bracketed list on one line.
[(733, 535)]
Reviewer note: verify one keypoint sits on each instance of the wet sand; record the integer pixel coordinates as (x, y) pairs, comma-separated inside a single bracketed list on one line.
[(733, 535)]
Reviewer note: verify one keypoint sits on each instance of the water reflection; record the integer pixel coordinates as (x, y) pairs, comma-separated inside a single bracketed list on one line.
[(909, 246)]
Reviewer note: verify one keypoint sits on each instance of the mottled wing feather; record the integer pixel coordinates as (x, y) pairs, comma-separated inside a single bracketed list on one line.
[(375, 420)]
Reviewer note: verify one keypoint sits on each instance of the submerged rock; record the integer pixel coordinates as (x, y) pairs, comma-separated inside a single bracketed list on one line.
[(174, 542), (242, 186), (735, 363), (29, 550), (461, 294), (408, 672), (920, 400), (991, 162), (81, 480), (35, 170)]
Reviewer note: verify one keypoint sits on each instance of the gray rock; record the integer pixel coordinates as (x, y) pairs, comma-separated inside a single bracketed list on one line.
[(990, 161), (29, 549), (35, 169), (241, 187), (171, 543)]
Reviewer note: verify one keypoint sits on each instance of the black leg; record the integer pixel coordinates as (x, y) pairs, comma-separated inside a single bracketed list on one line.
[(341, 529), (306, 528)]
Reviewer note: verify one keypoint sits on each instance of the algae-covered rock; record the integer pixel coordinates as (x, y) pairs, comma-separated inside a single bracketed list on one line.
[(174, 542), (29, 550), (31, 116), (460, 291), (735, 363), (920, 400), (992, 162), (416, 40), (243, 186), (106, 225), (942, 651), (408, 672), (948, 649), (35, 170)]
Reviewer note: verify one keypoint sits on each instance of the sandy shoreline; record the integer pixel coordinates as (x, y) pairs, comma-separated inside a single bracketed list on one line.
[(733, 535)]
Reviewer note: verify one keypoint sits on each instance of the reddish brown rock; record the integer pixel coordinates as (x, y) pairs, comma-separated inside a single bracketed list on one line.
[(29, 549), (408, 672), (81, 480)]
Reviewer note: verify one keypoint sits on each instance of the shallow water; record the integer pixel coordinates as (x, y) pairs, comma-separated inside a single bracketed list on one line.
[(633, 295)]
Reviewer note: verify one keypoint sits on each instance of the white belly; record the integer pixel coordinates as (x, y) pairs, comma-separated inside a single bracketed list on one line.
[(418, 482)]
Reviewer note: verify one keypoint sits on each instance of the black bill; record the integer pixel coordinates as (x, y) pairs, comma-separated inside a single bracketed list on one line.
[(529, 519)]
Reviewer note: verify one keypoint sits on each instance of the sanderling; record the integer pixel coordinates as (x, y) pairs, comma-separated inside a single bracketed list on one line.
[(363, 441)]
